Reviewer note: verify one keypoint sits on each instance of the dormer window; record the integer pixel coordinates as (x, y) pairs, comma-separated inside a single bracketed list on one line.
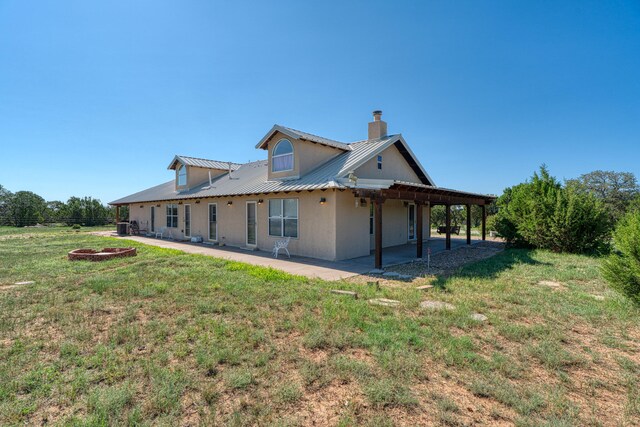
[(182, 175), (282, 156)]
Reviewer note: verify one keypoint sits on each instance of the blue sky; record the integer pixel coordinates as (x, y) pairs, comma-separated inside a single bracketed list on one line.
[(97, 97)]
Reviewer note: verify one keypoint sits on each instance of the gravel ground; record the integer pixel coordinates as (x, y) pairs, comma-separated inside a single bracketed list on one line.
[(442, 264)]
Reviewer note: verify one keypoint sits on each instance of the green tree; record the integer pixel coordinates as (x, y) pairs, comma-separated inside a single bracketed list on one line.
[(541, 213), (5, 203), (26, 208), (622, 268), (54, 212), (616, 190)]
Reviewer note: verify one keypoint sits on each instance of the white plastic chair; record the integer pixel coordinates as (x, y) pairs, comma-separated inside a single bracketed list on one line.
[(281, 244), (162, 231)]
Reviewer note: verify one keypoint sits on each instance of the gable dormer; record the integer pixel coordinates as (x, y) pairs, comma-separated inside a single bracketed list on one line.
[(192, 171), (293, 153)]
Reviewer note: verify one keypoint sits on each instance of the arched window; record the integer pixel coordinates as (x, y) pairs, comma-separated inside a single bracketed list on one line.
[(282, 156), (182, 175)]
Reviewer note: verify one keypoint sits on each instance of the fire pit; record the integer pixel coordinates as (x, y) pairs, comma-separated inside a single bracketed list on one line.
[(103, 255)]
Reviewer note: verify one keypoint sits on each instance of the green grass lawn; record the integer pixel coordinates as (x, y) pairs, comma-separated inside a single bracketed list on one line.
[(171, 338)]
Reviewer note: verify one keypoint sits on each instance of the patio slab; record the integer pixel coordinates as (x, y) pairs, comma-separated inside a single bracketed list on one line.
[(301, 266)]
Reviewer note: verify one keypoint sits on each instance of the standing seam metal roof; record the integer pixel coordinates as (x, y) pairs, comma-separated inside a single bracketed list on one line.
[(203, 163)]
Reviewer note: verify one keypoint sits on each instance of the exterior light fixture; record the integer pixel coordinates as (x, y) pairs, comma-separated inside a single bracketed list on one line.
[(260, 201), (158, 205), (141, 206), (229, 203), (363, 202), (323, 200), (179, 203), (197, 202)]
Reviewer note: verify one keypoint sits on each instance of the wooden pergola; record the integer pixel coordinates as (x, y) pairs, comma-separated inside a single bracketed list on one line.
[(423, 195)]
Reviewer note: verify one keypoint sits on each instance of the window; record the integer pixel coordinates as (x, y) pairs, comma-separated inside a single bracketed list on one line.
[(283, 217), (182, 175), (213, 222), (371, 218), (379, 162), (282, 156), (172, 216)]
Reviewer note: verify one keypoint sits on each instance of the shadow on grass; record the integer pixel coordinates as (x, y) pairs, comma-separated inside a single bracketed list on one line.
[(490, 268)]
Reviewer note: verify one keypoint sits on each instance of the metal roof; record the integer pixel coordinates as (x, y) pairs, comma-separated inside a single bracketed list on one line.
[(202, 163), (252, 178), (298, 134)]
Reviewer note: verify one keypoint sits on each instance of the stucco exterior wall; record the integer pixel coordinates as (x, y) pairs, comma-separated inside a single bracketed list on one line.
[(352, 227), (394, 166), (306, 156), (316, 222)]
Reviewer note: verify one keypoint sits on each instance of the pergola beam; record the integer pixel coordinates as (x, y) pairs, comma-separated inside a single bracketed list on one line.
[(433, 199)]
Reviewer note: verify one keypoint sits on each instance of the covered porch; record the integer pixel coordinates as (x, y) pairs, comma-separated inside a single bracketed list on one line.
[(423, 196)]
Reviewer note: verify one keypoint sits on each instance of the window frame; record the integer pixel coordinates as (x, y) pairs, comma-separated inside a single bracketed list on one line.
[(282, 218), (274, 156), (379, 161), (170, 215), (180, 175), (209, 222)]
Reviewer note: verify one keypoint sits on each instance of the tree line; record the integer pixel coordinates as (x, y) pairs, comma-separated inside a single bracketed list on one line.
[(25, 208)]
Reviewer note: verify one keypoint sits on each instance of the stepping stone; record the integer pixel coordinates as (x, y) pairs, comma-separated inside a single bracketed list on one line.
[(436, 305), (385, 302), (345, 293), (405, 277), (28, 282), (391, 274), (479, 317), (550, 284), (424, 287), (376, 271)]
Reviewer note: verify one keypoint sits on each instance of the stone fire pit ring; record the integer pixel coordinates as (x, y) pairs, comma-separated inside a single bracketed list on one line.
[(102, 255)]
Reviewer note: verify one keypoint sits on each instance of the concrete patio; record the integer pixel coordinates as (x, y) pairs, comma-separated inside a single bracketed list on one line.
[(302, 266)]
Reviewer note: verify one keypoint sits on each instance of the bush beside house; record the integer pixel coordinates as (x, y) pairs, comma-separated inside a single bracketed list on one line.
[(542, 213), (622, 268)]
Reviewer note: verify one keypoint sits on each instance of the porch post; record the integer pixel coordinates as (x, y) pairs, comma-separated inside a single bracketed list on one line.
[(378, 231), (484, 222), (448, 226), (428, 220), (117, 213), (468, 224), (419, 233)]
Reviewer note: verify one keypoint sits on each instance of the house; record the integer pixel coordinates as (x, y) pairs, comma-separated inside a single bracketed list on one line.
[(334, 200)]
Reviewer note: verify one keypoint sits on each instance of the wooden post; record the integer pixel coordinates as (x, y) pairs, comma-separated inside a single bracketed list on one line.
[(419, 231), (378, 232), (117, 213), (448, 227), (484, 222), (428, 220), (468, 224)]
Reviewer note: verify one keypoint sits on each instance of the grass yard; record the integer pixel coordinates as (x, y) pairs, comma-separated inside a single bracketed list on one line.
[(171, 338)]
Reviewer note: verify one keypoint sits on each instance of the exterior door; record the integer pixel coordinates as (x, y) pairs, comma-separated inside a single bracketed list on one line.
[(411, 228), (187, 220), (153, 218), (252, 224)]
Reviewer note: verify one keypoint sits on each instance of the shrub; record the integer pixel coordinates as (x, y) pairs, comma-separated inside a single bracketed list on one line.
[(76, 226), (541, 213), (622, 268)]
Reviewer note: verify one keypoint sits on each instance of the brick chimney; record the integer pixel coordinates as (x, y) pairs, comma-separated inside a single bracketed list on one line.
[(377, 128)]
